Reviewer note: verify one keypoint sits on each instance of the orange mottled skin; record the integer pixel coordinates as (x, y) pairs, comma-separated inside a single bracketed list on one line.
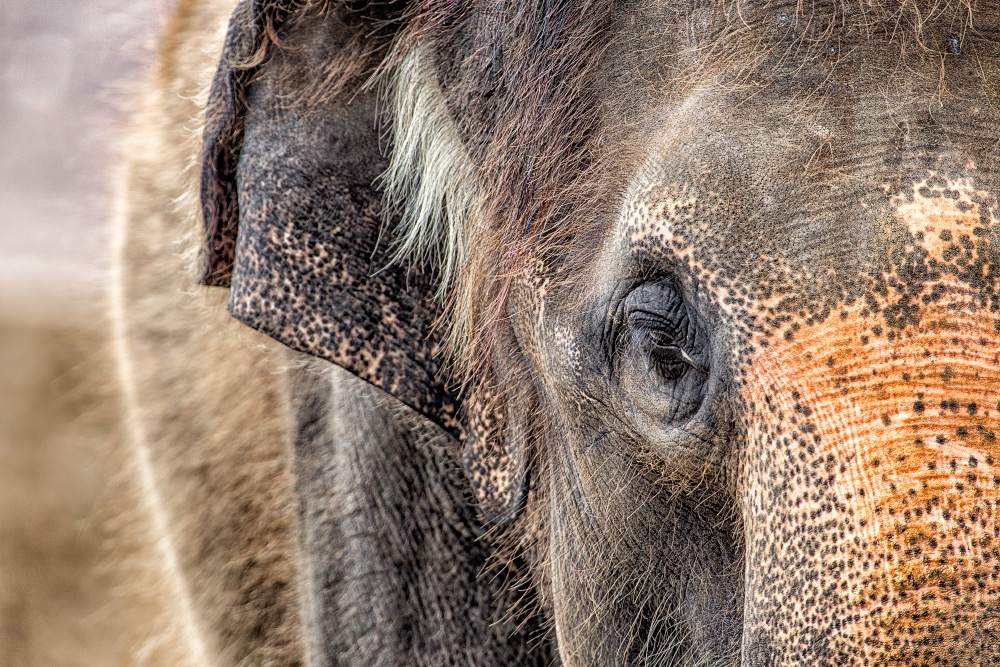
[(900, 428)]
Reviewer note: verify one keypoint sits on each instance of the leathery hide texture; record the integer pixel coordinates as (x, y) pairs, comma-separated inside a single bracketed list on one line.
[(709, 293)]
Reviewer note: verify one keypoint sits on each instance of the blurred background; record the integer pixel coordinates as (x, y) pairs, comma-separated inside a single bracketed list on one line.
[(70, 72)]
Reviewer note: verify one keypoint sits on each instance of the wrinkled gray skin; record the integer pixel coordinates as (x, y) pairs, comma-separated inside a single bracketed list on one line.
[(766, 408), (296, 514), (796, 243), (390, 560)]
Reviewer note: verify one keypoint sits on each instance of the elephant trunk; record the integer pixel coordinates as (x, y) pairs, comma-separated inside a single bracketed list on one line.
[(872, 521), (871, 485)]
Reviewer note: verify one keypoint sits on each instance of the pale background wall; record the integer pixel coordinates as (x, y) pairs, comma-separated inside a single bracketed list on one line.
[(70, 70)]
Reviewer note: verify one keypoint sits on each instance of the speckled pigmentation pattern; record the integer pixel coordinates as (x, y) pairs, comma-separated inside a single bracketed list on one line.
[(294, 224), (494, 457), (223, 135), (313, 270), (303, 241), (392, 541), (731, 312)]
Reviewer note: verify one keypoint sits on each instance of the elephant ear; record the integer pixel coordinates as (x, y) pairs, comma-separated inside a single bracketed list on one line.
[(295, 227), (495, 457)]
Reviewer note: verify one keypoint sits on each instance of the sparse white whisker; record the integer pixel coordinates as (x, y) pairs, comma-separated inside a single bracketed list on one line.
[(431, 182)]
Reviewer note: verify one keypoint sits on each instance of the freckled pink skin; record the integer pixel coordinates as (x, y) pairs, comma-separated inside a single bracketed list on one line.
[(888, 476)]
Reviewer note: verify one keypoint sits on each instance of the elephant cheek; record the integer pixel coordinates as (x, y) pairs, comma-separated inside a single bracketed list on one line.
[(871, 492)]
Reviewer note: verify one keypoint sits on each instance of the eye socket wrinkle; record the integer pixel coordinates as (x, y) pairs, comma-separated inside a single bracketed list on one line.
[(657, 326), (673, 328)]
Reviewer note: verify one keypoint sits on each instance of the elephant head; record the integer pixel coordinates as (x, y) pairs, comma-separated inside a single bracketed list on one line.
[(718, 283)]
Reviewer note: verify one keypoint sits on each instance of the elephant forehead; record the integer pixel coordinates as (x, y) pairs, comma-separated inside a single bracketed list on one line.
[(932, 372), (946, 215), (885, 253)]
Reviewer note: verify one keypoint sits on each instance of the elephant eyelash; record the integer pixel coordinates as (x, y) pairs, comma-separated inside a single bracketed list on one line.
[(663, 329), (652, 324), (685, 358), (666, 351), (668, 364), (659, 341)]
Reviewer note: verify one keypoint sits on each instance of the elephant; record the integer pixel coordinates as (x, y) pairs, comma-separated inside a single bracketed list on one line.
[(583, 333)]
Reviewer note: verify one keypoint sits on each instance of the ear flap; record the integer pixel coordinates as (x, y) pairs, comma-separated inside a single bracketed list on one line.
[(295, 227), (220, 150), (495, 458)]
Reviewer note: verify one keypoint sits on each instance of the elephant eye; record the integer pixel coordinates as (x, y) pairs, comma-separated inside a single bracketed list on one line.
[(660, 330), (668, 358)]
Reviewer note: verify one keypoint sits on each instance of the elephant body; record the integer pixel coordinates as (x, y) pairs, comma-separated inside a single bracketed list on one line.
[(586, 332)]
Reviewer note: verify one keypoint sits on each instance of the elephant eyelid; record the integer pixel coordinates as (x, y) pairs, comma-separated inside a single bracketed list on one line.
[(668, 331), (651, 320), (691, 362), (658, 326), (662, 340), (670, 327)]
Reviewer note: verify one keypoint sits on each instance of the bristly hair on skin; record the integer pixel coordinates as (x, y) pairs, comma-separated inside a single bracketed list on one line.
[(371, 37), (520, 196), (479, 218), (521, 184), (536, 192)]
